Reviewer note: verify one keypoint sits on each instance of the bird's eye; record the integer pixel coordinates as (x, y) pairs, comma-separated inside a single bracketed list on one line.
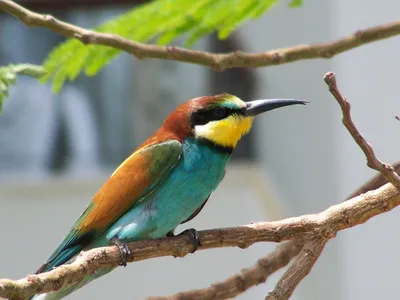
[(219, 113), (203, 117)]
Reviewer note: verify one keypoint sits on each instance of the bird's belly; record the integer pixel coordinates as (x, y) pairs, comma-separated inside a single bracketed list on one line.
[(189, 184), (181, 196)]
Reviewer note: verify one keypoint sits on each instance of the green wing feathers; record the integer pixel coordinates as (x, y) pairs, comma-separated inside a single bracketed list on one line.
[(137, 176)]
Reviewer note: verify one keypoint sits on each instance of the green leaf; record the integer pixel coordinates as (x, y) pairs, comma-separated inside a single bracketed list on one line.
[(217, 13), (249, 9), (8, 76), (4, 87), (162, 21), (295, 3)]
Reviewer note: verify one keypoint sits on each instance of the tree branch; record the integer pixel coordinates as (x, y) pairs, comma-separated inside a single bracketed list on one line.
[(300, 268), (247, 278), (372, 161), (315, 244), (325, 224), (217, 62)]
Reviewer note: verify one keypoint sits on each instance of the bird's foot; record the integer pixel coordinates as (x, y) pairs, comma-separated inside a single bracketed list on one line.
[(171, 234), (123, 248), (193, 236)]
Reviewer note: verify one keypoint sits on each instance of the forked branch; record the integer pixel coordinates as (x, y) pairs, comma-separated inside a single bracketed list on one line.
[(372, 161)]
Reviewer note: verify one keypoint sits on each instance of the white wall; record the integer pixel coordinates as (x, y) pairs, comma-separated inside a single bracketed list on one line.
[(368, 77), (309, 154)]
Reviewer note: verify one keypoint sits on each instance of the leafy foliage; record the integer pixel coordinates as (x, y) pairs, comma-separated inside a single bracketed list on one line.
[(8, 76), (160, 20)]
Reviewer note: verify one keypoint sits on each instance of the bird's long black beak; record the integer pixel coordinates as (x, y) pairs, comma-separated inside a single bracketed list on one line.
[(257, 107)]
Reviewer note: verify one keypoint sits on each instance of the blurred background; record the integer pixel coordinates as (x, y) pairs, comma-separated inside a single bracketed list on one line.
[(56, 150)]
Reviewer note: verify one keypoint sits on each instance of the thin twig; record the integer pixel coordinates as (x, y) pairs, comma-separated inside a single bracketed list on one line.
[(316, 243), (247, 278), (326, 224), (372, 161), (217, 62), (300, 268)]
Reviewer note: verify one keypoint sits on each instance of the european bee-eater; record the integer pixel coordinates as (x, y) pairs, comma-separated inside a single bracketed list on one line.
[(164, 183)]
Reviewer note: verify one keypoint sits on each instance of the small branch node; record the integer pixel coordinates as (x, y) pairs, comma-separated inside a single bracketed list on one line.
[(49, 19), (238, 54), (310, 253), (326, 53), (171, 51), (87, 38), (278, 237), (216, 66), (276, 58), (240, 283), (31, 278), (358, 34), (77, 36), (345, 217), (272, 295)]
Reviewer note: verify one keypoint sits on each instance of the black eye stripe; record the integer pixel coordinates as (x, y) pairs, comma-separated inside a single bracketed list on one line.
[(202, 117), (219, 113)]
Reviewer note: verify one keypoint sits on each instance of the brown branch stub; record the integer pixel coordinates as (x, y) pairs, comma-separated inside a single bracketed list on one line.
[(300, 268), (217, 62), (238, 283), (372, 161)]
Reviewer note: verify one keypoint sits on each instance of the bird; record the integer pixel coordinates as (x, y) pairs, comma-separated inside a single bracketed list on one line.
[(165, 182)]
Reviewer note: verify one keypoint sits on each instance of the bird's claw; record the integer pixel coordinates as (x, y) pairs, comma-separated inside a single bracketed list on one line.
[(124, 250), (194, 237)]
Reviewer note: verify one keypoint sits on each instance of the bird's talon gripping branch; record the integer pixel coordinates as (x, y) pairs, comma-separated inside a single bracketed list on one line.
[(123, 248), (194, 238), (193, 234)]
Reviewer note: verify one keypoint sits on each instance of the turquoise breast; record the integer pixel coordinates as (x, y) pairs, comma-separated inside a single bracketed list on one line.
[(197, 174)]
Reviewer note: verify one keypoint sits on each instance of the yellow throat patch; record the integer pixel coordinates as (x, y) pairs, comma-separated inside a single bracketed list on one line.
[(226, 132)]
